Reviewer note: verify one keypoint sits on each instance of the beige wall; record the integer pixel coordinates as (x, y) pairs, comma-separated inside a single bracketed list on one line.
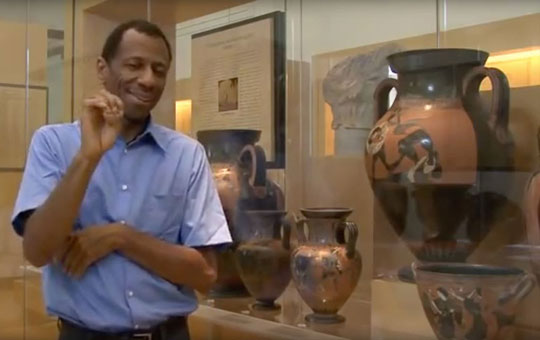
[(13, 64), (349, 24)]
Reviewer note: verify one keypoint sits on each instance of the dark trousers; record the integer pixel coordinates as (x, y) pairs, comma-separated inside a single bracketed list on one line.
[(172, 329)]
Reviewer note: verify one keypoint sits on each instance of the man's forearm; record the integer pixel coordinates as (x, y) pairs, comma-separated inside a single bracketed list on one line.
[(175, 263), (49, 226)]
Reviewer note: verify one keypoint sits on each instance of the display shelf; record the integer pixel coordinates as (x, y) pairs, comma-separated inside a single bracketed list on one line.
[(226, 313)]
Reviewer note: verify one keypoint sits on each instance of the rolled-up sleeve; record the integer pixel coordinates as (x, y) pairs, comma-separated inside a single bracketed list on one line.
[(204, 221), (41, 174)]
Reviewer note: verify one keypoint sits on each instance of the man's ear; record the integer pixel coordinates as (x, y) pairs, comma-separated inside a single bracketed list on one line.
[(102, 69)]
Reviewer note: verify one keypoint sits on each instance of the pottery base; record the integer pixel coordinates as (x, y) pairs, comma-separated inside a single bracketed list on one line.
[(265, 306), (325, 318), (405, 274), (228, 292)]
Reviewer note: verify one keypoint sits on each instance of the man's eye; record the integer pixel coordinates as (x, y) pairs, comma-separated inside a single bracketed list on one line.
[(132, 66)]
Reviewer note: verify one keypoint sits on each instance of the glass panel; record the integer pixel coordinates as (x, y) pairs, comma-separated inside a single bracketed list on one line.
[(509, 34), (373, 167), (49, 102), (456, 166), (13, 73), (345, 44), (57, 30), (230, 64)]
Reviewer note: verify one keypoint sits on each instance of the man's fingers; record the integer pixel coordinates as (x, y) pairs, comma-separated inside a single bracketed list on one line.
[(119, 103), (113, 101), (113, 119), (109, 106), (69, 258), (90, 245), (114, 115), (80, 267), (73, 258), (76, 268), (64, 250), (97, 103), (81, 264), (107, 98), (97, 108), (102, 102)]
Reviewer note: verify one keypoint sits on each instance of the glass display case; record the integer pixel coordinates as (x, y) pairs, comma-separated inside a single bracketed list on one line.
[(419, 117), (376, 160)]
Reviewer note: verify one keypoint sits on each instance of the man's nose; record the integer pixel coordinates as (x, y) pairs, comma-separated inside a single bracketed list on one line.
[(147, 78)]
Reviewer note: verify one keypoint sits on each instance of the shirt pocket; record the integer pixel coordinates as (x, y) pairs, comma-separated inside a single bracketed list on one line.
[(162, 215), (163, 209)]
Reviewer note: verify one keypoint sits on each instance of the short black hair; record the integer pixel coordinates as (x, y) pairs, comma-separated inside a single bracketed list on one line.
[(142, 26)]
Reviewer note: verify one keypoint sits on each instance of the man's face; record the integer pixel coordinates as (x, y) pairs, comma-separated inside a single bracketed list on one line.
[(136, 73)]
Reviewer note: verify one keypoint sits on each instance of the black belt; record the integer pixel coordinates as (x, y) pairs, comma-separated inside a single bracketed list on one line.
[(174, 328)]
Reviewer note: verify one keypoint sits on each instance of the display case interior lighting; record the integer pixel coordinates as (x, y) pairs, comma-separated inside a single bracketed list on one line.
[(183, 116), (521, 66), (329, 134)]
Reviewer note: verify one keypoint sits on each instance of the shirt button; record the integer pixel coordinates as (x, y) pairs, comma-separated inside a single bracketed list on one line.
[(130, 293), (136, 326), (125, 150), (124, 187), (122, 222)]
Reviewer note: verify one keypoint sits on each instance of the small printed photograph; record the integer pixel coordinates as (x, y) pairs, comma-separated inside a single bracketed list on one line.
[(228, 94)]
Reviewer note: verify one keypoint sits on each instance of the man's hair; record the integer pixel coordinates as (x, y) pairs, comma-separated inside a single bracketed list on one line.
[(142, 26)]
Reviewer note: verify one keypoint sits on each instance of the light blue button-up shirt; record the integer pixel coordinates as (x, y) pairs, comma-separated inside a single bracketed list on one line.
[(160, 184)]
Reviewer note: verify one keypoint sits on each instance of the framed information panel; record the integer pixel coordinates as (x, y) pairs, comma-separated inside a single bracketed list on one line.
[(238, 75)]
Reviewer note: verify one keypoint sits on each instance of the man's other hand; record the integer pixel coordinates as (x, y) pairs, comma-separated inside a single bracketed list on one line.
[(85, 247)]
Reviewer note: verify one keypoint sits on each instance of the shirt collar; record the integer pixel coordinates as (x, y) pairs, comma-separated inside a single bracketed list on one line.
[(153, 131)]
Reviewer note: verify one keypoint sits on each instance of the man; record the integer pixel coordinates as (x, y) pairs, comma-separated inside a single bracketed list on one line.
[(122, 212)]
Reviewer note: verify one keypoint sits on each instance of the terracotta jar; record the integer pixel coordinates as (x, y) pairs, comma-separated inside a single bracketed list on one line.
[(440, 161), (263, 255), (239, 169), (326, 265), (466, 301)]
